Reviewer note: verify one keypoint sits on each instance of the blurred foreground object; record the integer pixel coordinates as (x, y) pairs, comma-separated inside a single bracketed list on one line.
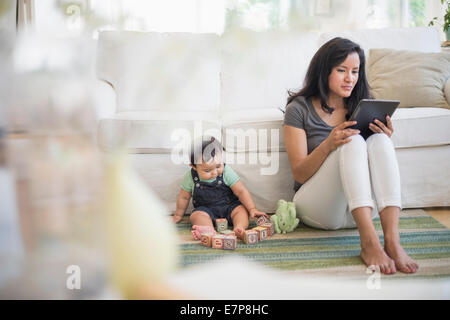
[(142, 240), (68, 221), (56, 172)]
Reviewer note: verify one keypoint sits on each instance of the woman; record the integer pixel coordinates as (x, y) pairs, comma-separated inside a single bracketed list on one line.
[(339, 174)]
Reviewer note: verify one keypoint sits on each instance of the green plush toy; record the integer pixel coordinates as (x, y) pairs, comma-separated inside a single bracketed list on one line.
[(285, 219)]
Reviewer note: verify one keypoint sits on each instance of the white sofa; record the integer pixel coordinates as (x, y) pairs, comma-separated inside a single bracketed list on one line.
[(166, 87)]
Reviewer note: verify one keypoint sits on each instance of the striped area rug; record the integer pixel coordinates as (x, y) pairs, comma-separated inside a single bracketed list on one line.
[(312, 251)]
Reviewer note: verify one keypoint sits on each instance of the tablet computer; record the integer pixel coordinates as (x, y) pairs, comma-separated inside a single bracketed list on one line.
[(368, 110)]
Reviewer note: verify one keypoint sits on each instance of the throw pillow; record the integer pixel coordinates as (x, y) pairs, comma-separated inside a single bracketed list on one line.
[(417, 79)]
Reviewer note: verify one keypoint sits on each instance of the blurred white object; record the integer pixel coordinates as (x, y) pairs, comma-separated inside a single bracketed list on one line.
[(51, 124), (248, 280), (11, 246), (141, 238)]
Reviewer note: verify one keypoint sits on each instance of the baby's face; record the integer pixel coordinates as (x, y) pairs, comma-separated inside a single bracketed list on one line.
[(211, 169)]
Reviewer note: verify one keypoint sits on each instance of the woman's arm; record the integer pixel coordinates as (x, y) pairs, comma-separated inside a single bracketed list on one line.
[(182, 203), (246, 199), (304, 166)]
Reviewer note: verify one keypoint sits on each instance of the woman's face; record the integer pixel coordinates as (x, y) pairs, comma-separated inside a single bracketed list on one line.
[(344, 76)]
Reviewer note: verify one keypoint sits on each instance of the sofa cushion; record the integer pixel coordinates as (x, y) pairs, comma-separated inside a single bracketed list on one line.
[(161, 71), (155, 132), (417, 79), (255, 130), (447, 91), (258, 68), (421, 127)]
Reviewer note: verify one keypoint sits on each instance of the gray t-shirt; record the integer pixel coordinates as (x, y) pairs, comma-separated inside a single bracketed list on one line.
[(300, 113)]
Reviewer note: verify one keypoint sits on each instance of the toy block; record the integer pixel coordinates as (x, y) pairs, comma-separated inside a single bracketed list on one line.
[(221, 224), (270, 228), (262, 220), (262, 233), (217, 241), (206, 239), (229, 243), (227, 232), (250, 236)]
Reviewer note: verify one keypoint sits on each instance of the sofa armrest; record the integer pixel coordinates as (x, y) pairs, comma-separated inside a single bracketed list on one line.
[(104, 99)]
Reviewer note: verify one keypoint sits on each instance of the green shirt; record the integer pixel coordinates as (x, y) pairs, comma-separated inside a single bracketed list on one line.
[(230, 177)]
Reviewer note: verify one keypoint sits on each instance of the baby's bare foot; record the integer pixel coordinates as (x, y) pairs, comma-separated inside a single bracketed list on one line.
[(198, 230), (239, 231), (374, 255), (402, 261)]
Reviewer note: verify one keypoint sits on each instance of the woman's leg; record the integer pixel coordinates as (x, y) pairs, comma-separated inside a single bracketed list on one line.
[(354, 168), (339, 195), (372, 251), (386, 185), (341, 184), (321, 202), (389, 221), (384, 172)]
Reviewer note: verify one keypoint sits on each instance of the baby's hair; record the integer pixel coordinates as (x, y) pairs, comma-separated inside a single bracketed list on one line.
[(210, 147)]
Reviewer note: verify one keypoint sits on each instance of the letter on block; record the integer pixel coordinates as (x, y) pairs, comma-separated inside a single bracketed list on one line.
[(217, 241), (229, 243), (250, 236), (270, 228), (262, 233), (221, 225), (206, 239)]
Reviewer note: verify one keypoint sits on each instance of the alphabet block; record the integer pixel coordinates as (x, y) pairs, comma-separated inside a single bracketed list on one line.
[(262, 220), (250, 236), (229, 243), (221, 225), (228, 232), (270, 228), (262, 233), (206, 239), (217, 241)]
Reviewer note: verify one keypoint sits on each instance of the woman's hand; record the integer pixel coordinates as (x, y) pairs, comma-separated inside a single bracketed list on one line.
[(340, 135), (380, 127)]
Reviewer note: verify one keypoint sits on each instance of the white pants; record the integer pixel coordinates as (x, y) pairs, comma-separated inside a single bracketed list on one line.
[(350, 178)]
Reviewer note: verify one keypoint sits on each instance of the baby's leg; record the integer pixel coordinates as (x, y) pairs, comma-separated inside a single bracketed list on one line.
[(239, 216), (201, 223)]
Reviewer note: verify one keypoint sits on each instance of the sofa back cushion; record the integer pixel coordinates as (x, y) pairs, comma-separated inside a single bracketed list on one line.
[(417, 79), (161, 71), (423, 39), (259, 67)]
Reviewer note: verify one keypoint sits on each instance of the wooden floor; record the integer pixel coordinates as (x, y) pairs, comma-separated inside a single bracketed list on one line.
[(440, 214)]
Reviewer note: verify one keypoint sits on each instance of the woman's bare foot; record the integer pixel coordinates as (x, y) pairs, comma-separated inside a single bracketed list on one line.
[(239, 231), (374, 255), (402, 261), (198, 230)]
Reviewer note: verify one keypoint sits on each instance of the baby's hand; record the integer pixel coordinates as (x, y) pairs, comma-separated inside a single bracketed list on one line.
[(256, 213), (176, 218)]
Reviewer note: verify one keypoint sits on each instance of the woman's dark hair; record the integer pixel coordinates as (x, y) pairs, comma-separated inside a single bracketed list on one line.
[(330, 55), (210, 147)]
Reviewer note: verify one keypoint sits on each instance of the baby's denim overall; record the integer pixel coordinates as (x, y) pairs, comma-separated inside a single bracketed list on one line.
[(215, 198)]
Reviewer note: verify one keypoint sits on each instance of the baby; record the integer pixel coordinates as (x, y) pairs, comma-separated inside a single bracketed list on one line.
[(217, 193)]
